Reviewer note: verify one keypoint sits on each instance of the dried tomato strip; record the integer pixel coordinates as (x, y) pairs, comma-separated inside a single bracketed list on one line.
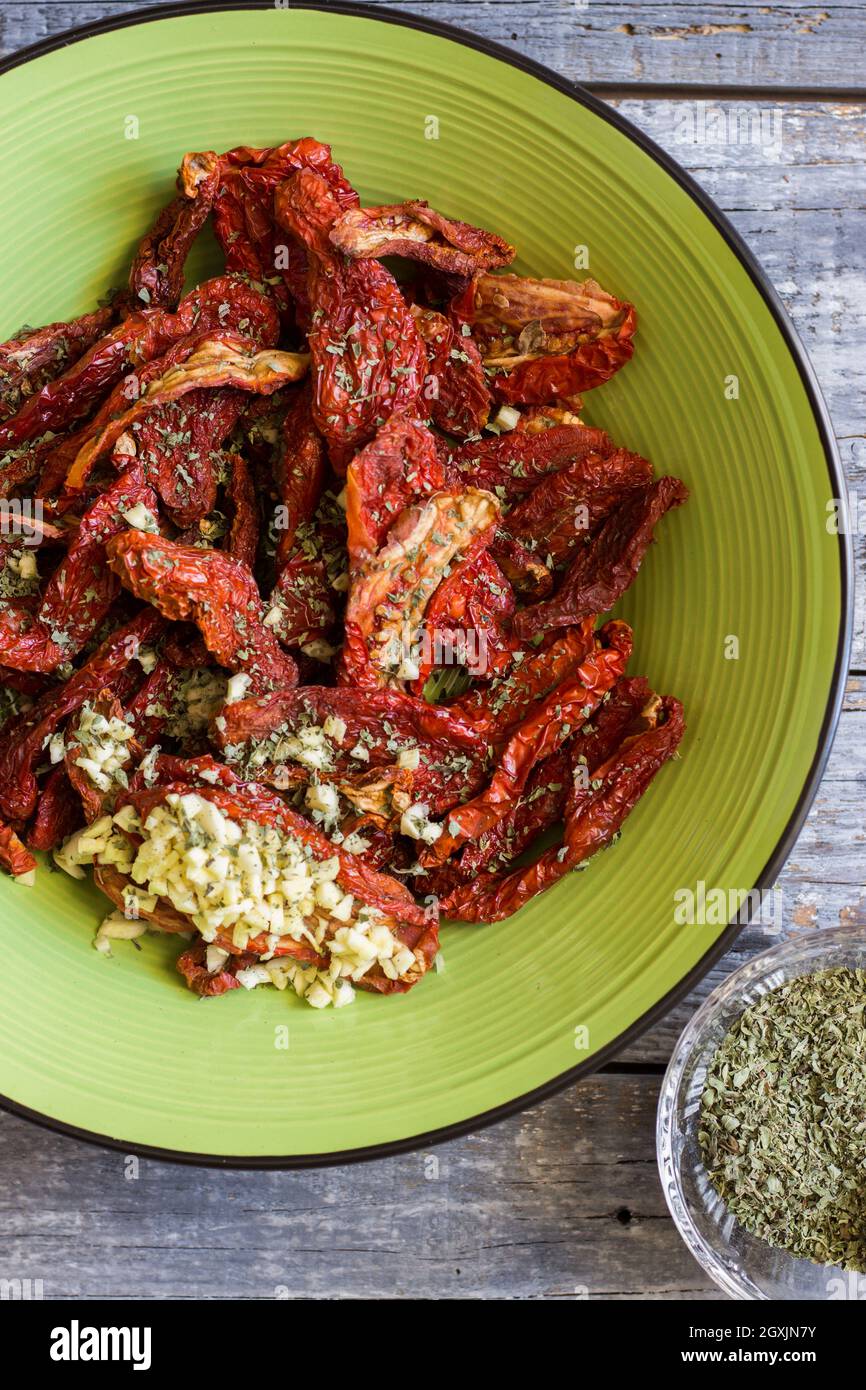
[(224, 302), (21, 746), (540, 734), (417, 231), (222, 360), (368, 359), (58, 812), (36, 356), (212, 590), (156, 274), (496, 709), (511, 465), (456, 387), (592, 822), (243, 537), (602, 570), (399, 465), (14, 855)]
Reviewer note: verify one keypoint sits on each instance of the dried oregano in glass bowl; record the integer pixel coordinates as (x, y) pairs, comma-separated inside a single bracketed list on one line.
[(783, 1118)]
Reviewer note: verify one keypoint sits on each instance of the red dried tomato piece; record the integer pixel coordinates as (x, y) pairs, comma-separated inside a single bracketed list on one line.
[(221, 359), (244, 216), (14, 855), (22, 744), (540, 734), (456, 385), (251, 802), (565, 507), (494, 710), (468, 619), (223, 303), (36, 356), (156, 274), (368, 359), (512, 464), (181, 442), (416, 230), (58, 813), (604, 568), (212, 590), (399, 465), (546, 340), (243, 537), (300, 473), (389, 593), (593, 818)]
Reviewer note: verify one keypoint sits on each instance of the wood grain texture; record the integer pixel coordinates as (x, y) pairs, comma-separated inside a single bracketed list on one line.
[(562, 1202), (603, 41)]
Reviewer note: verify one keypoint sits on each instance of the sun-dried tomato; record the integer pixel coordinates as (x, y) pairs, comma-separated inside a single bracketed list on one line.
[(244, 220), (495, 709), (468, 619), (455, 388), (539, 808), (302, 608), (549, 724), (527, 574), (226, 302), (212, 590), (20, 746), (180, 442), (36, 356), (512, 464), (593, 818), (156, 274), (243, 537), (14, 855), (300, 473), (381, 722), (546, 340), (604, 568), (566, 507), (58, 813), (417, 231), (389, 594), (223, 359), (368, 359), (398, 466), (82, 589)]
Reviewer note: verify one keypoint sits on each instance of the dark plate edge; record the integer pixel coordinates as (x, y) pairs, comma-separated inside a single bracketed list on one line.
[(836, 473)]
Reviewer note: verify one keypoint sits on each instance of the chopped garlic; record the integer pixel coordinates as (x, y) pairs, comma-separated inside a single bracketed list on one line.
[(141, 518), (415, 823), (507, 417), (409, 758), (117, 927), (335, 727), (236, 688)]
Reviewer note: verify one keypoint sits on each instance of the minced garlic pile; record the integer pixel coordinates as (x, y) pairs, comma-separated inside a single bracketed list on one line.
[(239, 881)]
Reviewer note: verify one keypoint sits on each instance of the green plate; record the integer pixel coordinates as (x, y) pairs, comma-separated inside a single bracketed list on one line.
[(118, 1050)]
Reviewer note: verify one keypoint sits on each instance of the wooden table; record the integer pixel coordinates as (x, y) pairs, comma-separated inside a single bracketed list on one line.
[(562, 1202)]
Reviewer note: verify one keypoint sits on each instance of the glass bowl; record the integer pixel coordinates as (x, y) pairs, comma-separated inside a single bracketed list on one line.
[(741, 1264)]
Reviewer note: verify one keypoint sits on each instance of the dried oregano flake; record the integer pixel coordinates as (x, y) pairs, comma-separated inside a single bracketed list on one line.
[(783, 1118)]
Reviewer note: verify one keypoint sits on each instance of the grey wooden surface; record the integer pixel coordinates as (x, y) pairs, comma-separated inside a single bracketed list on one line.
[(563, 1202)]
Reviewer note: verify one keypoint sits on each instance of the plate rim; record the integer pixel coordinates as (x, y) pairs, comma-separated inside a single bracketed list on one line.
[(842, 660)]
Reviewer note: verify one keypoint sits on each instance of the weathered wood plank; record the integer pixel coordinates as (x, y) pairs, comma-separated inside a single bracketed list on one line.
[(563, 1202), (604, 41)]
